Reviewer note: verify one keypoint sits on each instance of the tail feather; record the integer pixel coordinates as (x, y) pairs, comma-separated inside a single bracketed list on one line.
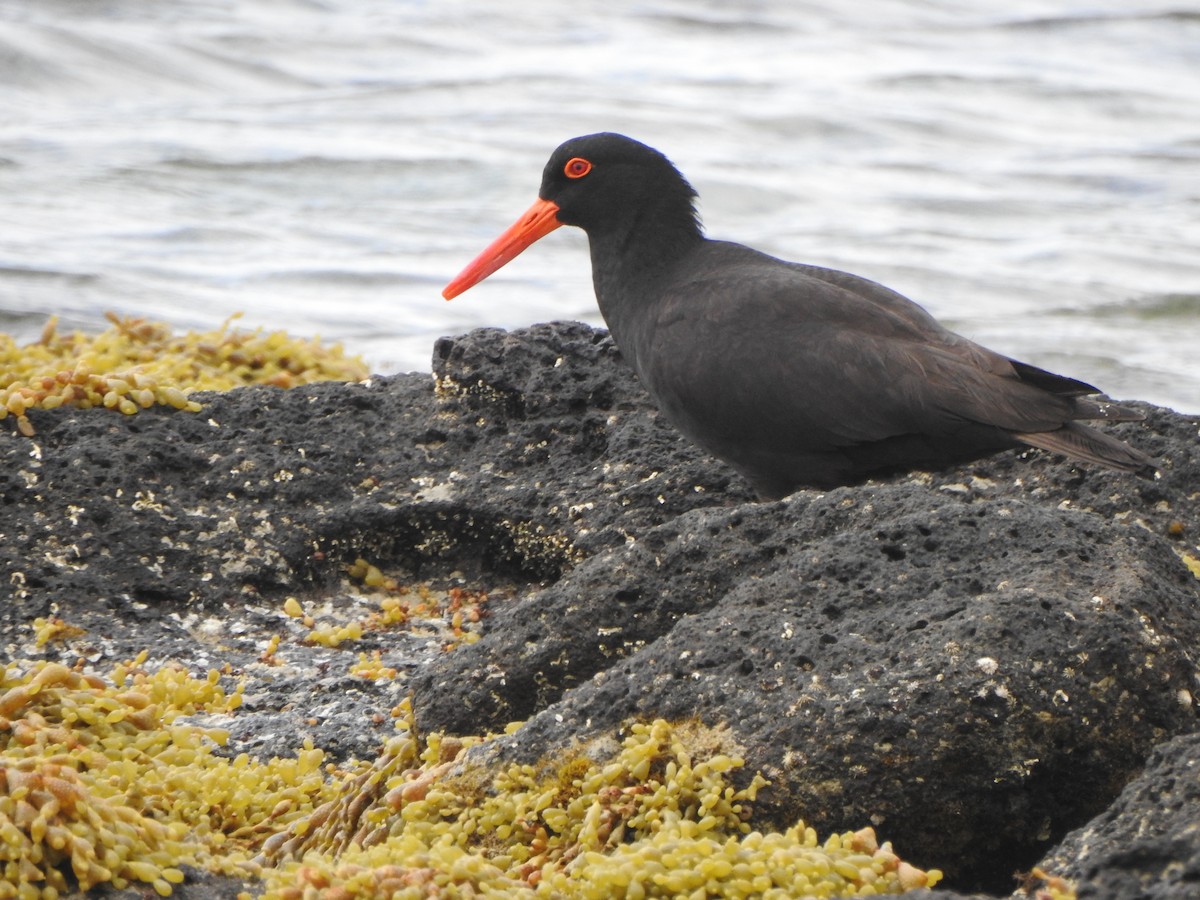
[(1087, 408), (1050, 382), (1088, 445), (1076, 393)]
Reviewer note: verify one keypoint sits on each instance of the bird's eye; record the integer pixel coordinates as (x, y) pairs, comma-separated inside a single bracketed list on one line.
[(577, 167)]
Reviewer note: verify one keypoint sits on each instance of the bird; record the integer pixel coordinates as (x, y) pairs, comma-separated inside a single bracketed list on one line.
[(798, 376)]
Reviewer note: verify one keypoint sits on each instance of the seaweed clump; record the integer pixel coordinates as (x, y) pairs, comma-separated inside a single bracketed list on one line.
[(100, 784), (103, 781), (650, 822), (136, 364)]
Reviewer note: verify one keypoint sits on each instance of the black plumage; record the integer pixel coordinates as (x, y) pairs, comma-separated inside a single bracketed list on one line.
[(796, 375)]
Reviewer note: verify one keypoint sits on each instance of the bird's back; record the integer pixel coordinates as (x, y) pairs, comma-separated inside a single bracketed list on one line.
[(800, 375)]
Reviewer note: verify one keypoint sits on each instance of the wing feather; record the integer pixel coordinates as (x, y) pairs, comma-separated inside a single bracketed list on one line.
[(819, 360)]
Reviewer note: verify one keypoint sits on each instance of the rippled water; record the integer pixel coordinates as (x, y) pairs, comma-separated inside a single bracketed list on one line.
[(1028, 171)]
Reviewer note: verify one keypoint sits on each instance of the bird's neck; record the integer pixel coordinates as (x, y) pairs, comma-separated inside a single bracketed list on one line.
[(629, 264)]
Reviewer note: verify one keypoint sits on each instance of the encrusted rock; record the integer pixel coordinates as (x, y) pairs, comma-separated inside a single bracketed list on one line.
[(975, 675), (1147, 843), (975, 661)]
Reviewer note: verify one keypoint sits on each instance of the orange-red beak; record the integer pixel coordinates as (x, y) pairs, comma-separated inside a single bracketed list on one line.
[(537, 222)]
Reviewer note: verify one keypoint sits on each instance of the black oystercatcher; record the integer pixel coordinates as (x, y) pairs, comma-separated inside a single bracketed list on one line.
[(798, 376)]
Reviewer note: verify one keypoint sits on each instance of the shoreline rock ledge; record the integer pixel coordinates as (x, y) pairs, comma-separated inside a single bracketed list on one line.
[(978, 662)]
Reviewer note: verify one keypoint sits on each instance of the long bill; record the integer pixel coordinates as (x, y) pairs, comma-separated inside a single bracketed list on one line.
[(537, 222)]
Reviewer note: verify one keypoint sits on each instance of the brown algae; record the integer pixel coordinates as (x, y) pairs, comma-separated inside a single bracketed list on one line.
[(136, 364), (101, 784), (650, 821)]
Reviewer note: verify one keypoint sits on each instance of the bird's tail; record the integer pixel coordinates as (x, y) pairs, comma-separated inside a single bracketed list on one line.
[(1088, 445), (1089, 408)]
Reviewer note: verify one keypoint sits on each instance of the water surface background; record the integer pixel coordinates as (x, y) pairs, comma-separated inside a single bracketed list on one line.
[(1028, 171)]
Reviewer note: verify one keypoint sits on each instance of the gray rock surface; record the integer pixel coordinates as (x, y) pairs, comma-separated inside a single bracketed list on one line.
[(975, 661), (1147, 843), (890, 654)]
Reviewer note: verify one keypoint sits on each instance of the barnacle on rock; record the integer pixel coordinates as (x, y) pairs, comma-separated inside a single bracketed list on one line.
[(136, 364)]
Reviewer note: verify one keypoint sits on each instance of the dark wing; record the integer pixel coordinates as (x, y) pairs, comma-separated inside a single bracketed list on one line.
[(824, 359)]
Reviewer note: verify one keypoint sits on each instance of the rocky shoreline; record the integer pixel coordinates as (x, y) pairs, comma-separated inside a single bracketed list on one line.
[(992, 665)]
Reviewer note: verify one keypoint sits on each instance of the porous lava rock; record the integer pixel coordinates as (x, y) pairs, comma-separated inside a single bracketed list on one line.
[(1147, 842), (975, 661), (975, 674)]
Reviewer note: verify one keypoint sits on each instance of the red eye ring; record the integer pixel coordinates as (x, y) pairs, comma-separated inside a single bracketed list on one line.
[(577, 167)]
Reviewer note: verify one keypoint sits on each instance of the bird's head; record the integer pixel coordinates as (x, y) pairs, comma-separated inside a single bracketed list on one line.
[(603, 183)]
